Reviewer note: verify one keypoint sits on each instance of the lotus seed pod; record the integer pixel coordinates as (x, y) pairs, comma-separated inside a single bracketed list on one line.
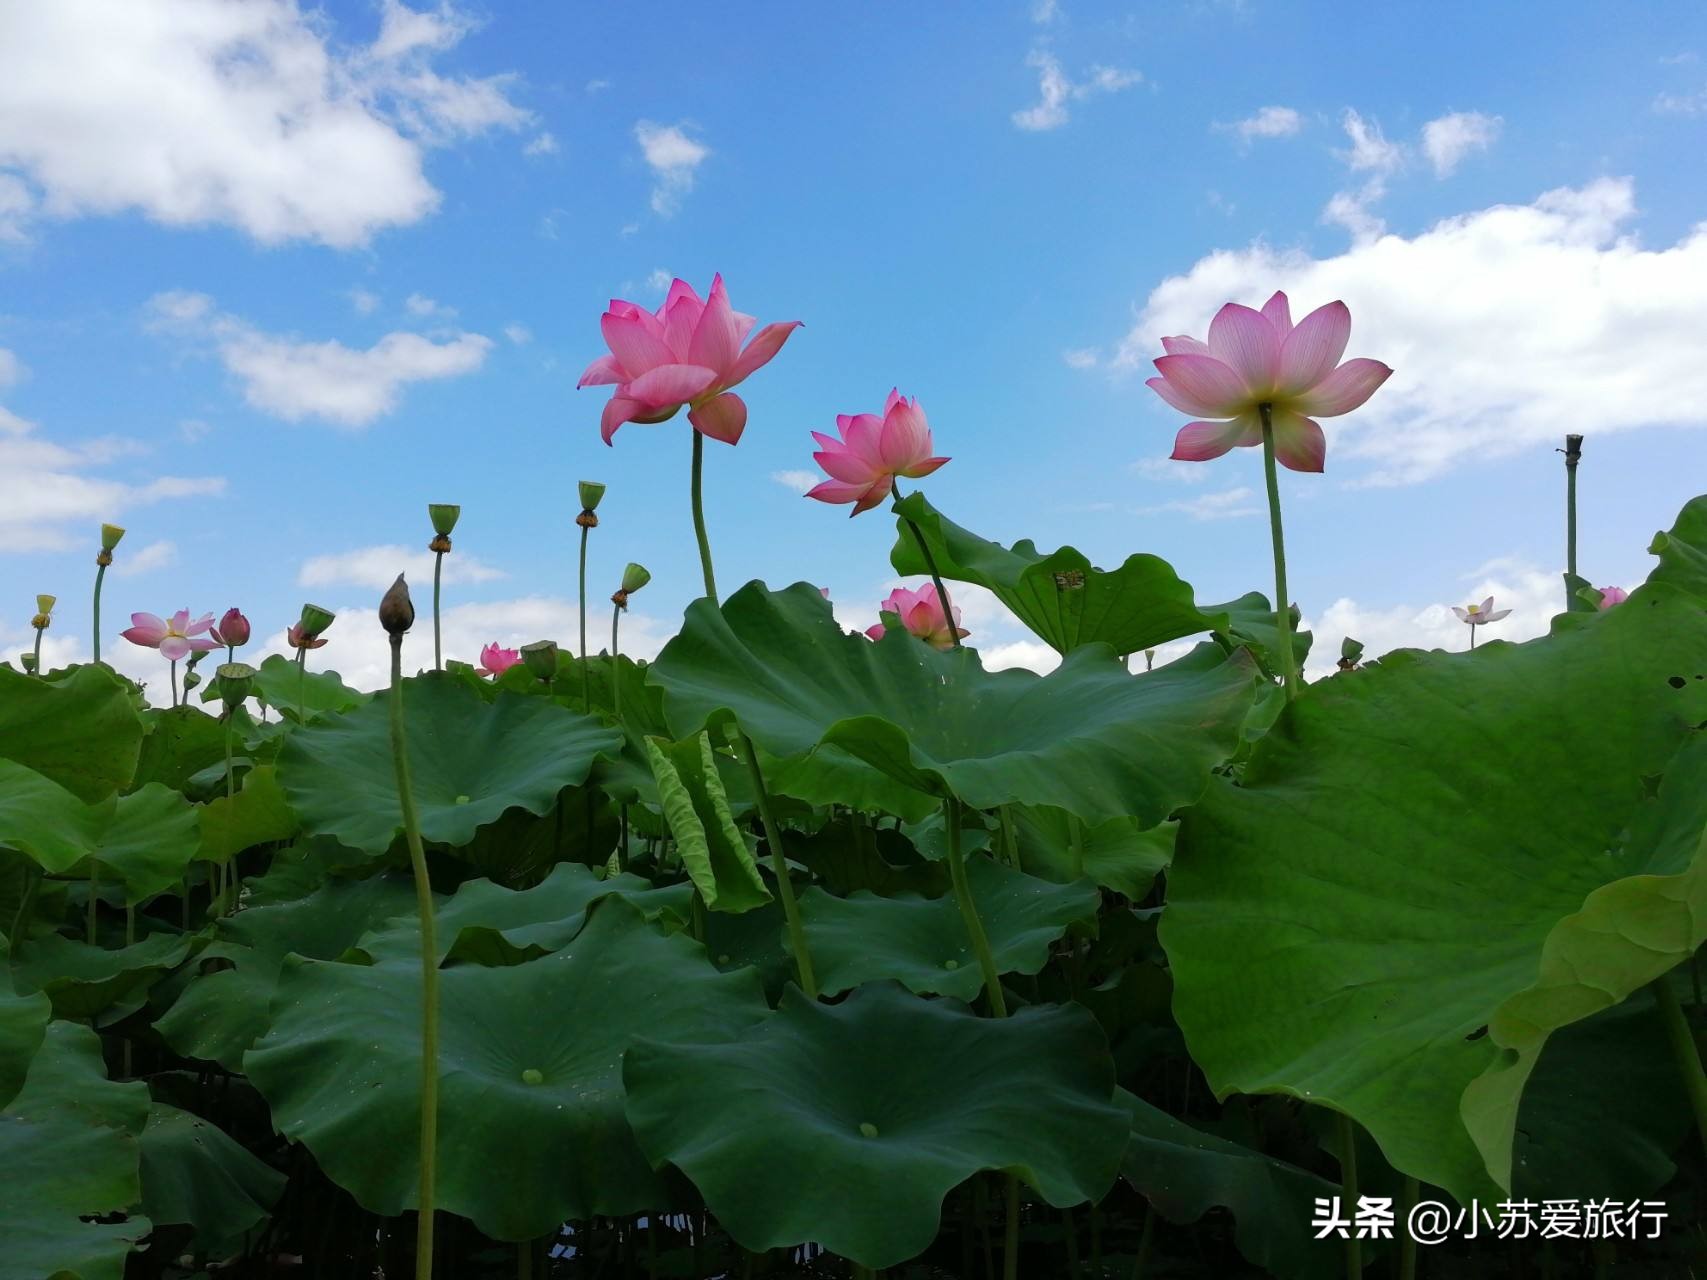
[(540, 657), (634, 577), (592, 493), (444, 516), (110, 535), (44, 604), (235, 681), (29, 661), (191, 680), (396, 610), (314, 620)]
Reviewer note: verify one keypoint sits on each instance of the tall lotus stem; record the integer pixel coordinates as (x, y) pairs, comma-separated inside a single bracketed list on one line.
[(634, 577), (1684, 1050), (43, 617), (969, 912), (174, 665), (936, 578), (1573, 452), (1348, 1190), (699, 516), (591, 493), (444, 516), (1282, 601), (779, 866), (110, 535), (397, 615)]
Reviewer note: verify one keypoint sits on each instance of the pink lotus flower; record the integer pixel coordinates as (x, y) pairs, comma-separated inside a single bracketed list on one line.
[(921, 614), (688, 353), (1256, 358), (296, 639), (1479, 615), (863, 464), (174, 637), (495, 661), (232, 629), (1610, 596)]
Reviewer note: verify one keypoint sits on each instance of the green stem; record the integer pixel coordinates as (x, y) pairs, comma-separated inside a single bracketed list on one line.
[(615, 672), (1684, 1051), (586, 676), (231, 799), (699, 517), (438, 569), (129, 941), (174, 682), (1348, 1191), (26, 902), (302, 684), (1472, 637), (429, 973), (1009, 839), (1408, 1242), (969, 913), (1571, 518), (36, 669), (1282, 601), (936, 578), (779, 866), (100, 573)]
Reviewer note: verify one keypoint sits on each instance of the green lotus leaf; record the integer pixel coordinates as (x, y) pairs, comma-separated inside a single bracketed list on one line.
[(1120, 854), (846, 858), (259, 812), (469, 761), (485, 923), (831, 775), (223, 1011), (921, 942), (146, 838), (1060, 596), (181, 742), (69, 1144), (711, 846), (530, 1078), (81, 730), (1251, 622), (1491, 786), (1088, 737), (303, 695), (194, 1174), (23, 1023), (1605, 1110), (84, 981), (847, 1124), (1185, 1173)]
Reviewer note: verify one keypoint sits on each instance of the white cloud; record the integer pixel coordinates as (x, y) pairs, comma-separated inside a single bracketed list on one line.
[(1229, 504), (46, 489), (378, 567), (418, 304), (1173, 470), (543, 144), (244, 113), (1447, 140), (1372, 154), (1370, 151), (146, 559), (1056, 90), (1080, 358), (798, 481), (1681, 104), (1500, 324), (597, 86), (673, 158), (519, 334), (191, 430), (1043, 12), (1268, 122), (659, 281), (295, 379), (364, 301), (12, 369)]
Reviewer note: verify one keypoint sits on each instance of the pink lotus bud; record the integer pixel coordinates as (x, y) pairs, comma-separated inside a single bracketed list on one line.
[(920, 613), (863, 464), (1610, 596), (688, 353), (232, 629), (1256, 360), (495, 661)]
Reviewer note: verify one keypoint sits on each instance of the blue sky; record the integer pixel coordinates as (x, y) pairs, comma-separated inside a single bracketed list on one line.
[(272, 279)]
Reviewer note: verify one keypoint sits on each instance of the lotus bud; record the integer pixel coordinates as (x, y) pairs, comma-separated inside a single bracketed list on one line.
[(235, 681), (196, 655), (592, 493), (540, 657), (396, 610), (314, 620), (233, 629), (110, 535), (29, 661)]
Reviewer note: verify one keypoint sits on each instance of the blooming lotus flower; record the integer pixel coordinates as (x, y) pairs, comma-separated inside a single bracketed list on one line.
[(863, 464), (232, 629), (1610, 596), (921, 614), (174, 636), (296, 638), (688, 353), (1256, 358), (495, 661), (1479, 615)]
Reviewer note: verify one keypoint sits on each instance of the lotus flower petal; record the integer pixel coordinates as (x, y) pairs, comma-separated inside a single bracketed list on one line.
[(637, 345), (722, 417), (1343, 390), (1201, 441), (1278, 312), (1298, 441), (601, 372), (1313, 348), (1204, 382), (174, 647), (1246, 343), (760, 351)]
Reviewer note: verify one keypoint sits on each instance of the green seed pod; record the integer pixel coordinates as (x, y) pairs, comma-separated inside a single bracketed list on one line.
[(540, 657), (592, 493), (634, 577), (235, 680), (444, 516), (110, 535), (314, 619)]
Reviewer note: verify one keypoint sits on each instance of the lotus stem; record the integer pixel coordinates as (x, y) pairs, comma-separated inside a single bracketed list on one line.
[(231, 798), (586, 676), (36, 664), (1573, 452), (615, 674), (26, 901), (174, 665), (936, 578), (438, 569), (1408, 1242), (429, 972), (100, 575), (302, 685), (699, 517), (1348, 1190), (969, 912), (1282, 600), (779, 866), (1684, 1050)]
